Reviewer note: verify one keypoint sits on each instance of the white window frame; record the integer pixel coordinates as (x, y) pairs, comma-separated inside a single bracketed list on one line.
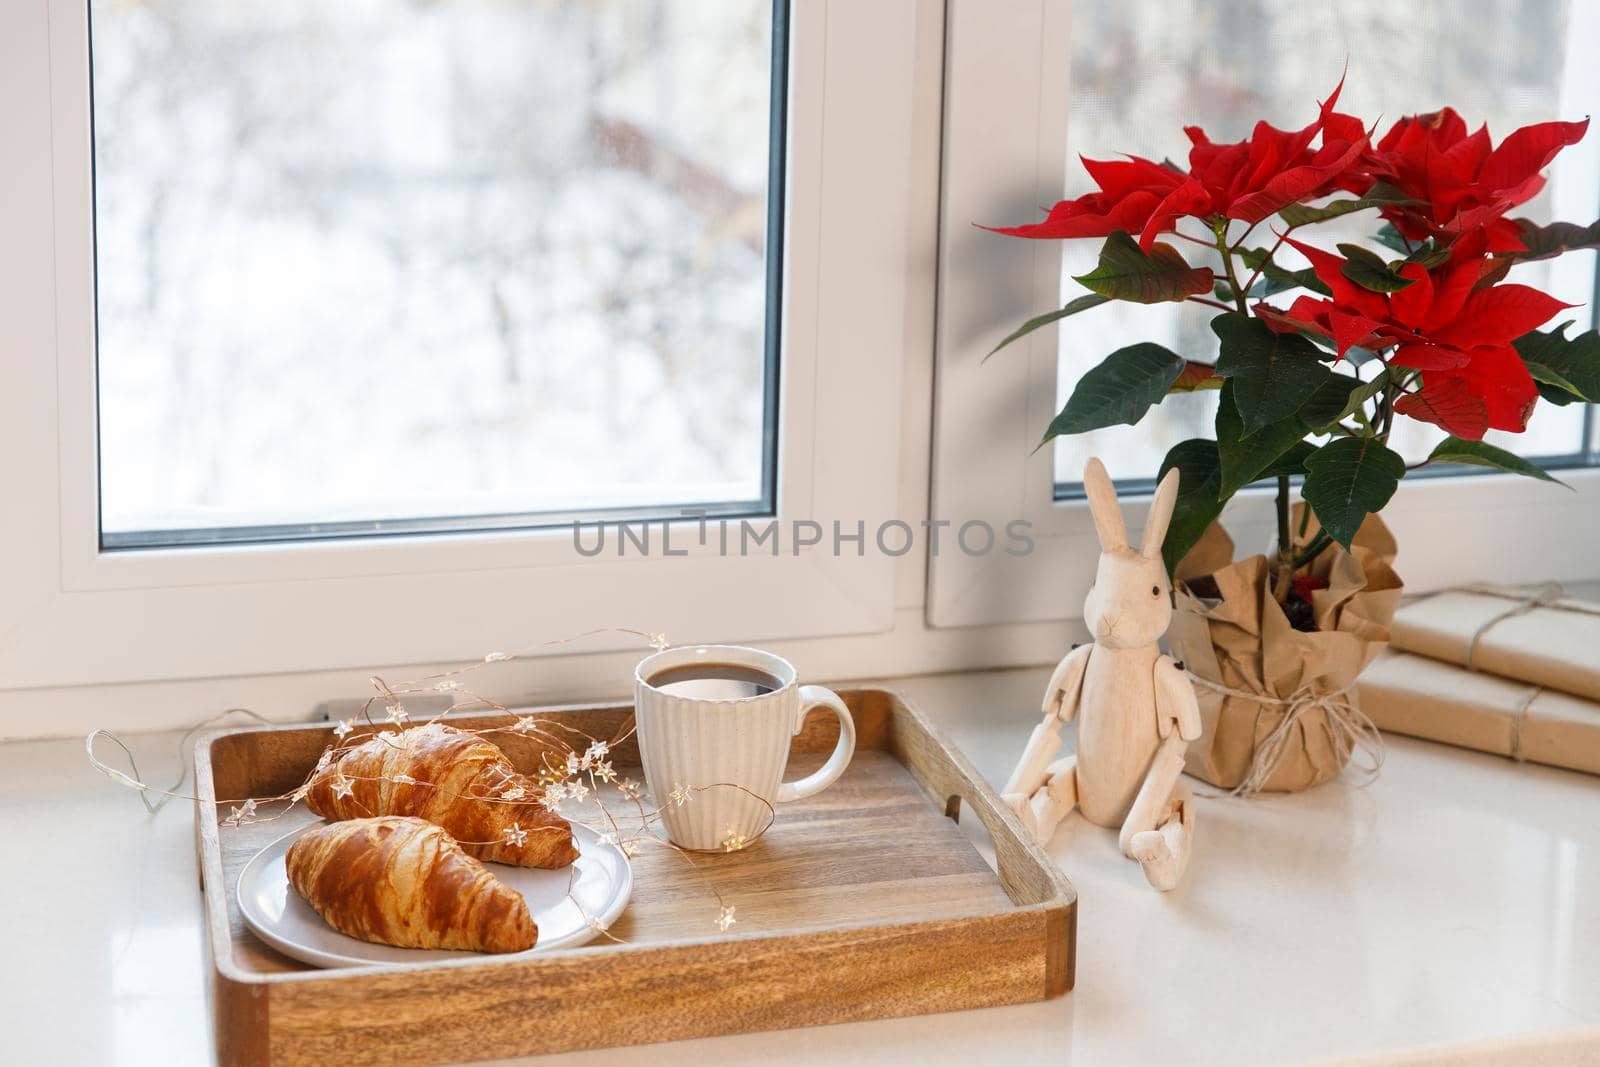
[(1005, 138), (72, 615)]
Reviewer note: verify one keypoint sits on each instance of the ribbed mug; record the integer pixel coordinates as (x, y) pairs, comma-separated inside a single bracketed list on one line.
[(715, 765)]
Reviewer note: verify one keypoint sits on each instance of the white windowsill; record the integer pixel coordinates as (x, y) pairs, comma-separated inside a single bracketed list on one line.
[(1446, 904)]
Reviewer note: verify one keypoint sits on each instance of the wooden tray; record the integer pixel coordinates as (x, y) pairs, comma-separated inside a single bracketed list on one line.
[(864, 902)]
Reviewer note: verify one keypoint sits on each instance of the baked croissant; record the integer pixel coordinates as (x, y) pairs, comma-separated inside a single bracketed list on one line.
[(441, 774), (405, 882)]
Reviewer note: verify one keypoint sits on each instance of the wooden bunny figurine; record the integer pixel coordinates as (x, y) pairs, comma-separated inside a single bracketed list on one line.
[(1137, 711)]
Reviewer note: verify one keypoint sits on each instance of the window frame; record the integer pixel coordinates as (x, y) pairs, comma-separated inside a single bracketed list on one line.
[(77, 615), (990, 414)]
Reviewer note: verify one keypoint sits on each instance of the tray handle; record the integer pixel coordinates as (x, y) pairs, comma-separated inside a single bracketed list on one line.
[(1026, 874)]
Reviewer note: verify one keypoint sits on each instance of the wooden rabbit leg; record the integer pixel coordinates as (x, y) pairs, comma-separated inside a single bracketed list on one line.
[(1054, 800), (1159, 829), (1164, 852), (1051, 802)]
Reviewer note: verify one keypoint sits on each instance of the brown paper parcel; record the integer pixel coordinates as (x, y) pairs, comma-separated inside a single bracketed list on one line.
[(1534, 636), (1240, 639), (1425, 698)]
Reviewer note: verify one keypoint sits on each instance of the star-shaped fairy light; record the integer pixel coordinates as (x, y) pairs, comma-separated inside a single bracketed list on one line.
[(516, 835), (577, 791), (515, 792), (725, 917), (404, 779), (447, 685), (574, 765), (734, 842), (496, 657), (342, 786), (679, 795), (345, 728), (397, 713), (241, 814), (525, 724), (628, 787)]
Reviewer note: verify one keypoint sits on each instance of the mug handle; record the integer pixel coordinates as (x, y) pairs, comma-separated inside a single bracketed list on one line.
[(813, 697)]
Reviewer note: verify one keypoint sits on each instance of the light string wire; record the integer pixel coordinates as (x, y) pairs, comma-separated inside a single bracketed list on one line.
[(566, 773)]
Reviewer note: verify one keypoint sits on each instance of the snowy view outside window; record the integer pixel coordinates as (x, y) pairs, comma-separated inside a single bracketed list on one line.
[(1142, 71), (376, 260)]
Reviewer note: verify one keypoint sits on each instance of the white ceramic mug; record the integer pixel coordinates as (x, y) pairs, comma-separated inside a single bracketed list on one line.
[(711, 750)]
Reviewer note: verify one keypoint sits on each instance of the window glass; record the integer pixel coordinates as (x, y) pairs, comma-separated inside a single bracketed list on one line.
[(392, 264)]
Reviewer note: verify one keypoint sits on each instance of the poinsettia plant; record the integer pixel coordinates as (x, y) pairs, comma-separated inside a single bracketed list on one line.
[(1418, 322)]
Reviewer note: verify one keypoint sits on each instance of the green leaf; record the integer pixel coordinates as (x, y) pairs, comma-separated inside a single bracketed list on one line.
[(1429, 258), (1389, 237), (1125, 272), (1368, 270), (1361, 394), (1543, 375), (1349, 478), (1198, 503), (1195, 377), (1326, 404), (1273, 373), (1119, 391), (1280, 279), (1543, 242), (1082, 303), (1482, 454), (1291, 462), (1378, 196), (1571, 364), (1554, 394), (1244, 457)]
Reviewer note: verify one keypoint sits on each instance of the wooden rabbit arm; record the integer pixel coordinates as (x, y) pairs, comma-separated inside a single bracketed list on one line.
[(1175, 701), (1060, 705), (1066, 684)]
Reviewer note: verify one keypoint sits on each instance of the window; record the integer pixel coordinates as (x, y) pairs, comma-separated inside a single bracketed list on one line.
[(379, 235), (1126, 77), (406, 266), (1140, 73)]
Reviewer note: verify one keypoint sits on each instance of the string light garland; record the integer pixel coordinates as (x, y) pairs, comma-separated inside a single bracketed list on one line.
[(576, 769)]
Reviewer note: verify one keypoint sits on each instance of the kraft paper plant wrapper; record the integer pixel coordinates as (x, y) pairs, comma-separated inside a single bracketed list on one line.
[(1438, 701), (1242, 640), (1555, 644)]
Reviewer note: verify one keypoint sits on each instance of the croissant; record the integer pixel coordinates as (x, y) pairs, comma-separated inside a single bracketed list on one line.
[(441, 774), (405, 882)]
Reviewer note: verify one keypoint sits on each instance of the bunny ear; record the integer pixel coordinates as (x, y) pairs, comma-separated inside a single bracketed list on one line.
[(1103, 506), (1155, 526)]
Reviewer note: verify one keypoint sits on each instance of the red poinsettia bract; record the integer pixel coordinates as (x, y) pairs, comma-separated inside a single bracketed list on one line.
[(1247, 180), (1130, 192), (1252, 179), (1441, 324), (1461, 182)]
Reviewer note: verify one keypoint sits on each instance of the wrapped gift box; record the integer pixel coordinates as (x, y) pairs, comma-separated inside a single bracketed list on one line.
[(1535, 636), (1426, 698)]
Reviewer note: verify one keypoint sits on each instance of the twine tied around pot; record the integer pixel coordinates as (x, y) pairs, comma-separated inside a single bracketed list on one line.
[(1352, 730)]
